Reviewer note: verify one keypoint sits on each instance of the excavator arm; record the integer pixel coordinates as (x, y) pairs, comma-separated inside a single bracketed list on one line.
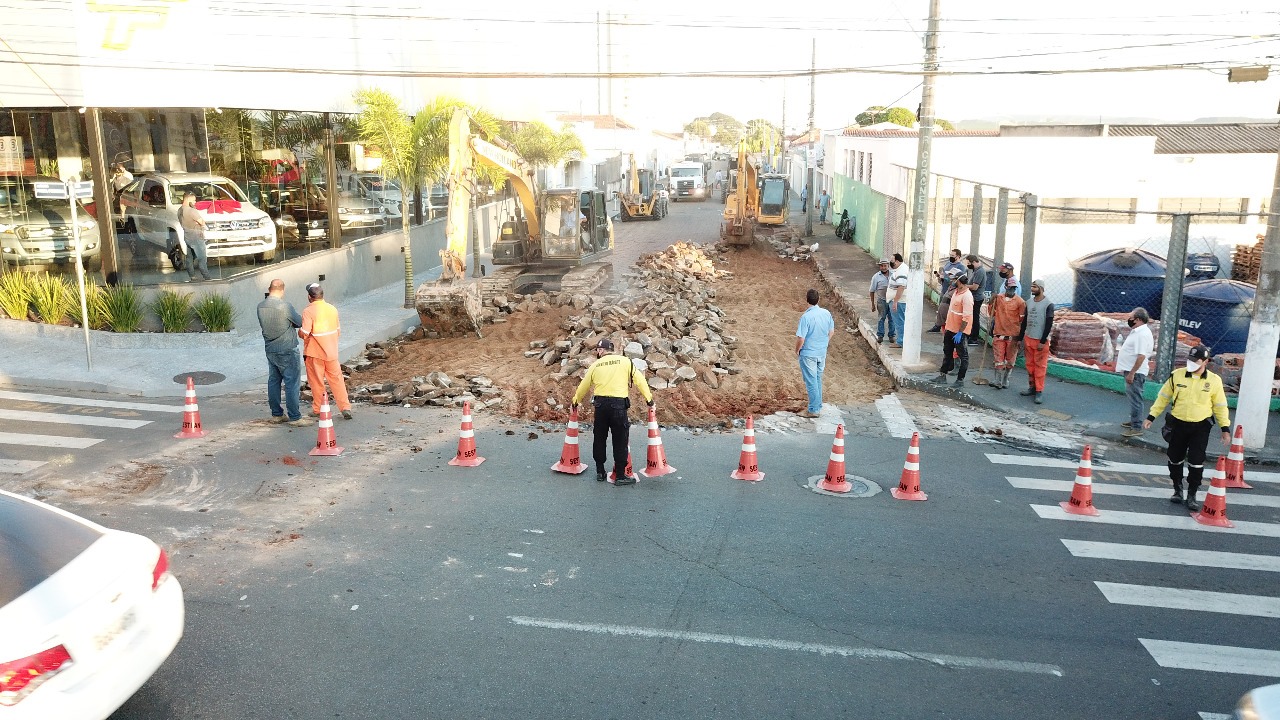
[(466, 149)]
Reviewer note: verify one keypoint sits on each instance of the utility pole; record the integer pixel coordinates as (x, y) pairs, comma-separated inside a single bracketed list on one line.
[(1254, 401), (782, 162), (910, 335), (599, 77), (810, 159)]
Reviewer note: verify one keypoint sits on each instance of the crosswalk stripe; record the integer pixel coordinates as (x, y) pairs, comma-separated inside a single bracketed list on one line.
[(1180, 599), (1171, 522), (1172, 556), (54, 441), (1233, 498), (1250, 474), (88, 402), (895, 416), (17, 467), (29, 416), (1213, 658), (1213, 716)]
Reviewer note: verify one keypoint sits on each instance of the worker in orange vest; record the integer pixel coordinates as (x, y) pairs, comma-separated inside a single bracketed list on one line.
[(319, 333)]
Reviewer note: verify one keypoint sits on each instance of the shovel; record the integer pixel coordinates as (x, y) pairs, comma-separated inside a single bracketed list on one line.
[(982, 365)]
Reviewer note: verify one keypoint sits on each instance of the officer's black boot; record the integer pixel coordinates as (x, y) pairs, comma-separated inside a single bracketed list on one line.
[(1194, 474), (1175, 474)]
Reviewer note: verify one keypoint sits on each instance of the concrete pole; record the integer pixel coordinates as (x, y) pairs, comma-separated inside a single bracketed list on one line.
[(955, 213), (1029, 212), (1264, 333), (811, 160), (1002, 223), (103, 193), (910, 335), (1171, 304), (975, 220), (331, 183)]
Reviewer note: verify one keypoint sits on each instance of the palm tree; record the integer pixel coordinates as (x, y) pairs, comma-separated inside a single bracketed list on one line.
[(542, 147)]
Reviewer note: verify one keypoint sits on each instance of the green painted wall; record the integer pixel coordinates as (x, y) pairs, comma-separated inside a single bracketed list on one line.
[(865, 204)]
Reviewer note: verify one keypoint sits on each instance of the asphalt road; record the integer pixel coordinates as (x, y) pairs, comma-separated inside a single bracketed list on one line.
[(385, 583)]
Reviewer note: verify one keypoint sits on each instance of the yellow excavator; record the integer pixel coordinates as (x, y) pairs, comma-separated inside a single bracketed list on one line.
[(775, 192), (555, 240), (642, 201), (741, 207)]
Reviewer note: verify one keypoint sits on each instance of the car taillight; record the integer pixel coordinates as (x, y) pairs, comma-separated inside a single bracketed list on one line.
[(19, 678), (161, 570)]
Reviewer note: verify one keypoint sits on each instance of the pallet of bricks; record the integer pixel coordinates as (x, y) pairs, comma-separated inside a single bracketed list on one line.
[(1246, 262), (1095, 338)]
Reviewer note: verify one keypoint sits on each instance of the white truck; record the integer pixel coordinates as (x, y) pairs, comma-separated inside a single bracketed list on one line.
[(688, 181)]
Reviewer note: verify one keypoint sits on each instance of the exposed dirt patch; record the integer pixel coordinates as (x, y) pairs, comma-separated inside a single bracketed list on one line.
[(763, 300)]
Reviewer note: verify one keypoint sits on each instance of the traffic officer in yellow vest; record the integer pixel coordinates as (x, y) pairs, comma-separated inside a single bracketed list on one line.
[(1195, 399), (609, 380), (319, 333)]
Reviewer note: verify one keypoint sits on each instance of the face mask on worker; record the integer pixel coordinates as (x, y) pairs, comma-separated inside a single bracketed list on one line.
[(1195, 366), (1133, 322)]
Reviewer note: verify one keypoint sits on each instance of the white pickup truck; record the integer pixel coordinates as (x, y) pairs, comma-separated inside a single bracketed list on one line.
[(688, 181)]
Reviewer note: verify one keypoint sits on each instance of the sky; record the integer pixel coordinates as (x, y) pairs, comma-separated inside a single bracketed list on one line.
[(992, 47)]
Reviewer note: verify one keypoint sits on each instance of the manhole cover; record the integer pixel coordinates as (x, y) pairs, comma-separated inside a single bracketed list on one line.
[(862, 487), (200, 377)]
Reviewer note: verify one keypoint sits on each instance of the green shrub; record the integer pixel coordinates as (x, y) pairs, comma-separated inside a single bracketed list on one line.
[(52, 298), (122, 308), (95, 299), (216, 312), (15, 294), (174, 309)]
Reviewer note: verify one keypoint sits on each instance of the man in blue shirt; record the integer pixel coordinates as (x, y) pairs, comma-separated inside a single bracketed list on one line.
[(280, 323), (812, 336)]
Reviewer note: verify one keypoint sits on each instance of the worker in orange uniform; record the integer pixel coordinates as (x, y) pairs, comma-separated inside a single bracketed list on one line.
[(319, 335)]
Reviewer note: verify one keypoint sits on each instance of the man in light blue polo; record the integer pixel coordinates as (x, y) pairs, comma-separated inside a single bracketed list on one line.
[(812, 336)]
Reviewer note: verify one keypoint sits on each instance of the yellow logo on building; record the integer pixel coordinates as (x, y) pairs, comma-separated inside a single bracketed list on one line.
[(125, 17)]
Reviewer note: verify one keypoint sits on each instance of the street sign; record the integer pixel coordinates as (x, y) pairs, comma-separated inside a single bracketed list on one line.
[(82, 189), (50, 190)]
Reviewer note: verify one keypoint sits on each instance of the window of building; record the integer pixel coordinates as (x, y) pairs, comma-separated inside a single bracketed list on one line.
[(1205, 205), (1084, 211)]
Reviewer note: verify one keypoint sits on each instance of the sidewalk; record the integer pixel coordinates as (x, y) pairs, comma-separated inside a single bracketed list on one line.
[(1091, 410), (221, 364)]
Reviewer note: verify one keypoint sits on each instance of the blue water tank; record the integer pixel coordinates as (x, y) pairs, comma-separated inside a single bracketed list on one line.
[(1118, 281), (1218, 312)]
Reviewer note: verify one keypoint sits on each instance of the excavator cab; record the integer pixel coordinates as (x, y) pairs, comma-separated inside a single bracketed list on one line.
[(775, 193), (575, 225)]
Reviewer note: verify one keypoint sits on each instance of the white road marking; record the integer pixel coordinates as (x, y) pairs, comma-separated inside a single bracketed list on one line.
[(1214, 716), (1172, 556), (963, 422), (1250, 475), (17, 467), (1233, 497), (1180, 599), (54, 441), (862, 653), (1172, 522), (1214, 658), (61, 400), (895, 416), (28, 416)]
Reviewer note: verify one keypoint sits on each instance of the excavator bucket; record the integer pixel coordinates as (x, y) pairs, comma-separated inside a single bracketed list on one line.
[(449, 309)]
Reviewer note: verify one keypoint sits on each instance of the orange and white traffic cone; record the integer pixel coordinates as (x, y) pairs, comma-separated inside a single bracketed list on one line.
[(1235, 462), (834, 480), (467, 455), (191, 427), (656, 461), (1214, 510), (628, 470), (1081, 502), (748, 464), (570, 462), (909, 486), (326, 439)]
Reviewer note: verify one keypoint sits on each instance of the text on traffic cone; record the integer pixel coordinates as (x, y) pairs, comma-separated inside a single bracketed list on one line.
[(628, 470), (1235, 462)]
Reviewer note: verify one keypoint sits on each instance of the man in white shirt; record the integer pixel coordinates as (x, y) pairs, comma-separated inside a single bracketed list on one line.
[(897, 303), (1132, 361)]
